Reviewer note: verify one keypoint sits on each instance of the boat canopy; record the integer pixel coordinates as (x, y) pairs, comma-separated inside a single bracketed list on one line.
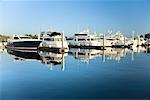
[(84, 34), (55, 34)]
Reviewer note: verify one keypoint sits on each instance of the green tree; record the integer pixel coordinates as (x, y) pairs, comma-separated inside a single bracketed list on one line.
[(4, 38), (147, 35), (32, 36)]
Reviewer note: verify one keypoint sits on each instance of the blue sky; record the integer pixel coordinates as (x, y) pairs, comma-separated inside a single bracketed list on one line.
[(73, 16)]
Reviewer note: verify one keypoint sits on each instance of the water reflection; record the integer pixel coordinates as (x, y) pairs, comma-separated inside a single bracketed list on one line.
[(116, 54), (83, 55), (50, 58), (53, 58), (24, 55)]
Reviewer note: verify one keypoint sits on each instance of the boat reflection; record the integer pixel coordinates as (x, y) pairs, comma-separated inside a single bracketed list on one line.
[(44, 57), (53, 58), (147, 49), (113, 54), (85, 55), (24, 55)]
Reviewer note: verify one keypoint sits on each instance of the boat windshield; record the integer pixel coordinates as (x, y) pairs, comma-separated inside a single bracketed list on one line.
[(47, 39), (52, 39), (25, 38), (81, 34)]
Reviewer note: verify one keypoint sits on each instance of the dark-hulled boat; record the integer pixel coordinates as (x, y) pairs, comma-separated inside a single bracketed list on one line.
[(23, 43)]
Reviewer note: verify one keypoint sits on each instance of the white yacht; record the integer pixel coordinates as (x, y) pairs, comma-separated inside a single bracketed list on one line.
[(85, 40), (120, 40), (107, 40), (53, 41), (139, 41), (147, 42), (22, 42), (136, 41)]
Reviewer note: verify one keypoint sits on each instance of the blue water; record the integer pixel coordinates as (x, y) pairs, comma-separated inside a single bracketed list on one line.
[(98, 77)]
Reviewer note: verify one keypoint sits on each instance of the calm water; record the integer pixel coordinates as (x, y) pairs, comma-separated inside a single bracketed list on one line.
[(81, 73)]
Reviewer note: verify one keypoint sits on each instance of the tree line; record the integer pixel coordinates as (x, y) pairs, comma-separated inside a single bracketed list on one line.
[(4, 38), (32, 36)]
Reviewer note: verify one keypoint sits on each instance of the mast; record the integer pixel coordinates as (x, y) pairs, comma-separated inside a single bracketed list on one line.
[(124, 41), (133, 33), (62, 36), (103, 41)]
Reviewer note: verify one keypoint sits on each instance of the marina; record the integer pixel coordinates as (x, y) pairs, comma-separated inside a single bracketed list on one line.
[(58, 42), (90, 59), (74, 49)]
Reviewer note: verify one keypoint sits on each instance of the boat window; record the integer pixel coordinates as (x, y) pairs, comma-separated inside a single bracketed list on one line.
[(91, 39), (47, 39), (81, 39), (25, 37), (16, 38), (80, 53)]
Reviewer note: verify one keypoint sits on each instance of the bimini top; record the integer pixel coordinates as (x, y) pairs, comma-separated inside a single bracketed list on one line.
[(55, 34)]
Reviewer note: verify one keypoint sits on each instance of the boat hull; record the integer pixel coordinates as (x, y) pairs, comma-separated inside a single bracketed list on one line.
[(23, 45), (87, 47)]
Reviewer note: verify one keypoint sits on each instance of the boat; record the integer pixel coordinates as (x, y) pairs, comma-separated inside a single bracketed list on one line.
[(147, 43), (53, 41), (85, 40), (107, 40), (120, 40), (22, 42)]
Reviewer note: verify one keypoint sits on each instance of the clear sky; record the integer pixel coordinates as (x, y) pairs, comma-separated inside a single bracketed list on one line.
[(73, 16)]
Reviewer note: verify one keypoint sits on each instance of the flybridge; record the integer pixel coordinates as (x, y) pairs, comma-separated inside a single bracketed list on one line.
[(49, 33)]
